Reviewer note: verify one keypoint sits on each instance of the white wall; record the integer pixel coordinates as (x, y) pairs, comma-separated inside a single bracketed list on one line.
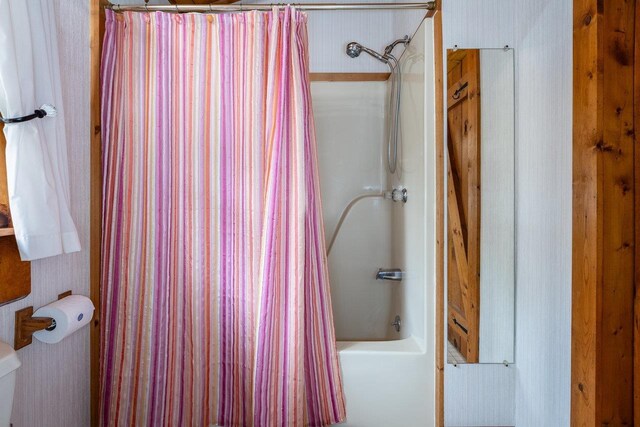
[(330, 31), (52, 387), (350, 131), (541, 34), (544, 189), (497, 211)]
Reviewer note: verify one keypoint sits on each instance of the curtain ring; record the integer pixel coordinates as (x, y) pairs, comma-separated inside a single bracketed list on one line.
[(210, 8), (146, 6), (176, 6)]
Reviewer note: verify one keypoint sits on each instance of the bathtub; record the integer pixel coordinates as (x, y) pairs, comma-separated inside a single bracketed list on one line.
[(388, 375)]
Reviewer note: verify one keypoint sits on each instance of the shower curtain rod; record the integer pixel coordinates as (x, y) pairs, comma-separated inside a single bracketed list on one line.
[(431, 5)]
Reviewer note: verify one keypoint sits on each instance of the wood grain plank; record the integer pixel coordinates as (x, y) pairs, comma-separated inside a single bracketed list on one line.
[(7, 232), (454, 58), (15, 275), (463, 196), (587, 207), (616, 357), (636, 156), (472, 131), (455, 225), (604, 214)]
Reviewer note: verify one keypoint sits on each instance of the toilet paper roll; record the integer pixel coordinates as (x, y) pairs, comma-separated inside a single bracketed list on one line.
[(70, 314)]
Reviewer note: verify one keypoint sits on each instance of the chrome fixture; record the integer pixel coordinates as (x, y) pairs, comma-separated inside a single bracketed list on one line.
[(397, 195), (396, 323), (394, 274), (389, 48), (431, 5), (354, 49)]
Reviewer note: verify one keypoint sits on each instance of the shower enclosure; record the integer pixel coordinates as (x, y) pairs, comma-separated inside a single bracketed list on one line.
[(376, 157)]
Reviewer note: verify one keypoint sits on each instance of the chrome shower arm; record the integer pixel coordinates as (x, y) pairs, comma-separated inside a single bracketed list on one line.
[(405, 40)]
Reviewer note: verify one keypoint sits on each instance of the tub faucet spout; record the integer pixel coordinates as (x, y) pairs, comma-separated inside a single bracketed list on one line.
[(394, 274)]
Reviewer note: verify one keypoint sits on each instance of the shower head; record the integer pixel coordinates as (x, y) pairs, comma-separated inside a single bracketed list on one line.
[(354, 50)]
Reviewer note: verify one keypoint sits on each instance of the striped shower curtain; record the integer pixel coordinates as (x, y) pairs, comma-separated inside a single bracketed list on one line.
[(215, 293)]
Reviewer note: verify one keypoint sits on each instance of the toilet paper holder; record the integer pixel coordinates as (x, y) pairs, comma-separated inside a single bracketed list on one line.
[(26, 324)]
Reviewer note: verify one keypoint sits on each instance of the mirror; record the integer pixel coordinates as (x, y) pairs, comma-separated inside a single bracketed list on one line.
[(480, 206)]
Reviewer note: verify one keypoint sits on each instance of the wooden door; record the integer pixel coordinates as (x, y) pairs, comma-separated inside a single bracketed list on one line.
[(463, 201)]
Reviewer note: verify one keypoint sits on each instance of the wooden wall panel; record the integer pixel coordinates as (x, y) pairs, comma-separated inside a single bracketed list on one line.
[(603, 214), (616, 151), (636, 155)]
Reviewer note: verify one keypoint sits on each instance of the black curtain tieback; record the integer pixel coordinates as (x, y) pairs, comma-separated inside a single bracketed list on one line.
[(44, 111)]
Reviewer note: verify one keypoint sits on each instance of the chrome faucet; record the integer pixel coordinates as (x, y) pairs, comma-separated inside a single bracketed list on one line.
[(389, 274), (396, 323)]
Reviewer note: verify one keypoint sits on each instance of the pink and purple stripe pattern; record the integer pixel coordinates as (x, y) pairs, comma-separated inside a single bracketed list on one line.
[(215, 297)]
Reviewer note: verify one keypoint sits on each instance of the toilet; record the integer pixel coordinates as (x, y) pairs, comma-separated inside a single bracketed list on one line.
[(9, 362)]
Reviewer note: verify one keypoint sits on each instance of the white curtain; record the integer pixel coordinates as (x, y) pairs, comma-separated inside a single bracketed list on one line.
[(37, 167)]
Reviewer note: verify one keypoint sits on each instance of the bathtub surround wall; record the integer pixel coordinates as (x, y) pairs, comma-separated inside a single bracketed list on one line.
[(52, 385), (541, 34), (412, 225), (350, 127), (391, 383)]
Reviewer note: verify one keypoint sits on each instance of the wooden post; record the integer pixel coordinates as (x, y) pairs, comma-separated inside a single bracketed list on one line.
[(96, 36), (603, 214)]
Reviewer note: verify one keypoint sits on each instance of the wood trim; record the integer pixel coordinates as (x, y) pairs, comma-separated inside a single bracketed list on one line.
[(349, 77), (636, 156), (603, 272), (9, 231), (587, 113), (615, 370), (439, 131), (25, 325), (95, 214)]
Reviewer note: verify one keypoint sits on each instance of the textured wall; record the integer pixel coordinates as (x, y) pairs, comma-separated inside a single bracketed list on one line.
[(350, 129), (497, 219), (52, 387), (543, 311), (540, 32), (479, 24)]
